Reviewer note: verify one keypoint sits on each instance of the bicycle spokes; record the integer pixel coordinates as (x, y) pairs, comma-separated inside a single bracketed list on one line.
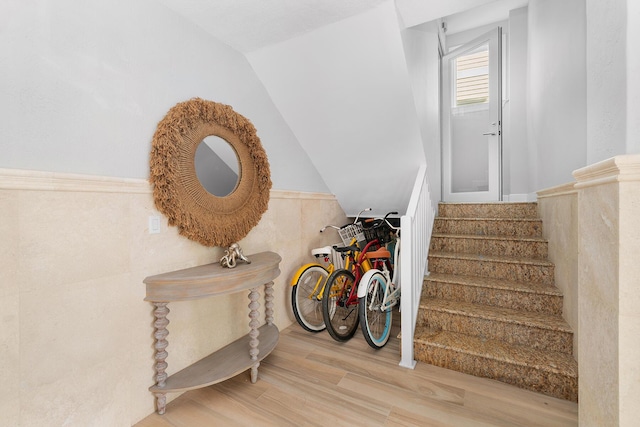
[(338, 310), (375, 320)]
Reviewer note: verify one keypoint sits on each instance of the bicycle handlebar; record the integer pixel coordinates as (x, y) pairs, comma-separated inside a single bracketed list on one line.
[(354, 221), (367, 220), (386, 220)]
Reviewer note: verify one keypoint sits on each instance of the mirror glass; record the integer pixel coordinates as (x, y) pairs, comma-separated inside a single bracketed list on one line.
[(217, 166)]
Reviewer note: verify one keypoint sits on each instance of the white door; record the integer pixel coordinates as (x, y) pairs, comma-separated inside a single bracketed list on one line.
[(472, 121)]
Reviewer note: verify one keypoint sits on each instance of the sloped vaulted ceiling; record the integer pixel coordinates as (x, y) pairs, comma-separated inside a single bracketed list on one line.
[(336, 71), (344, 90)]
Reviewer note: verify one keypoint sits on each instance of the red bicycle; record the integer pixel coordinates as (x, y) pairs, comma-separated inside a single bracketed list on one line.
[(340, 298)]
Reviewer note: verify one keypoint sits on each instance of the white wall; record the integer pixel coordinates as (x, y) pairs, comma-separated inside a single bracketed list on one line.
[(423, 64), (606, 79), (613, 64), (633, 71), (515, 118), (84, 84), (557, 112), (344, 90)]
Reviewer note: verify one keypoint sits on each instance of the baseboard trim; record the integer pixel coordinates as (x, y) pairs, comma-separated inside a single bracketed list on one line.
[(531, 197)]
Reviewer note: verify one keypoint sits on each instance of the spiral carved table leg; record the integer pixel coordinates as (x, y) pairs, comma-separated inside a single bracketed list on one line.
[(253, 333), (161, 344), (268, 305)]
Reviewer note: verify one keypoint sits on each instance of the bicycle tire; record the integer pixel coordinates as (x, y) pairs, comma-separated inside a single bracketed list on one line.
[(375, 324), (341, 321), (307, 308)]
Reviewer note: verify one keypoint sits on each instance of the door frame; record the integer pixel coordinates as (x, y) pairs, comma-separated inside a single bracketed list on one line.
[(494, 193)]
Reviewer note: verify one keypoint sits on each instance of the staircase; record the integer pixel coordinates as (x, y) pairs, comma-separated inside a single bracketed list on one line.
[(489, 307)]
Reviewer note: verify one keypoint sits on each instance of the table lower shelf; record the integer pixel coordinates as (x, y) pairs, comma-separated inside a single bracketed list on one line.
[(221, 365)]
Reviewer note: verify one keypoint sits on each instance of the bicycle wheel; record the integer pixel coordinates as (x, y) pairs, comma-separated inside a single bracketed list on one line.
[(340, 318), (307, 307), (375, 323)]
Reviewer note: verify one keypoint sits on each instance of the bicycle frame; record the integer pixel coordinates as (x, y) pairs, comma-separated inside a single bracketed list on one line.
[(391, 293), (358, 264)]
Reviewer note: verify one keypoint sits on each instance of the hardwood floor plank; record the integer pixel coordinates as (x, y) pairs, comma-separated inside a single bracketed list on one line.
[(230, 406), (329, 398), (422, 406), (310, 411), (437, 418), (308, 369), (518, 412), (187, 413), (154, 420)]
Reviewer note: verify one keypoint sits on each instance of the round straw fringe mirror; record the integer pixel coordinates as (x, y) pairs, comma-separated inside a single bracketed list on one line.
[(177, 191)]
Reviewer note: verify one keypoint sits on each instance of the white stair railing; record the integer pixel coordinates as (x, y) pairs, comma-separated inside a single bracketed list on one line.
[(416, 227)]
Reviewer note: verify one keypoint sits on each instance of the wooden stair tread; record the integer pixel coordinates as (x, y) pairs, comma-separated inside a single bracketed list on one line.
[(488, 282), (490, 258), (534, 239), (492, 209), (464, 218), (501, 314), (555, 362)]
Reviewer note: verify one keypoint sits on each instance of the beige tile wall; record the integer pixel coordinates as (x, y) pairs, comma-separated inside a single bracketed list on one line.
[(75, 334), (629, 293), (609, 291), (558, 208)]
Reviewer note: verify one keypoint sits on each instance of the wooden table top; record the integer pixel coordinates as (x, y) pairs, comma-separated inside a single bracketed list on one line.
[(213, 279)]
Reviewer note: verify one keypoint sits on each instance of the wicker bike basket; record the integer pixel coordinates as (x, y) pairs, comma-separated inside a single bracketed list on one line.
[(378, 230)]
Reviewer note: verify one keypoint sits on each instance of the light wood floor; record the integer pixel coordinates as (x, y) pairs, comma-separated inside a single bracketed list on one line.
[(312, 380)]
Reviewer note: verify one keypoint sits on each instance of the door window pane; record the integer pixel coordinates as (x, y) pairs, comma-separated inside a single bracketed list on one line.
[(472, 77)]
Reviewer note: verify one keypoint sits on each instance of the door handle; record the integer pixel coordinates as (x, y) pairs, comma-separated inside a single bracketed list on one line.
[(490, 133)]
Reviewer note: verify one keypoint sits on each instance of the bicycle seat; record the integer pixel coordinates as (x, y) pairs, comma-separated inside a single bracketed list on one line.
[(378, 254), (324, 251)]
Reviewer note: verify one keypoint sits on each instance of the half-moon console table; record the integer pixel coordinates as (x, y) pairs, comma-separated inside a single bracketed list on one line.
[(208, 281)]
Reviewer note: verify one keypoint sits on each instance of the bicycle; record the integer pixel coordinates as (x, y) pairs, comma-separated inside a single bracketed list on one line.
[(340, 299), (307, 284), (378, 292)]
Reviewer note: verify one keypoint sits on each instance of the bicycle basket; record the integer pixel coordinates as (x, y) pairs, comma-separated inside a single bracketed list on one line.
[(349, 231), (380, 230)]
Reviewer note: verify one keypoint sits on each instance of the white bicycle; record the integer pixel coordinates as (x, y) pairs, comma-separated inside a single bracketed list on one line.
[(379, 290)]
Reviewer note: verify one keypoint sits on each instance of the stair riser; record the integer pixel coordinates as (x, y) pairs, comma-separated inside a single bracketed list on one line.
[(488, 227), (499, 210), (539, 303), (526, 377), (493, 269), (511, 333), (520, 248)]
